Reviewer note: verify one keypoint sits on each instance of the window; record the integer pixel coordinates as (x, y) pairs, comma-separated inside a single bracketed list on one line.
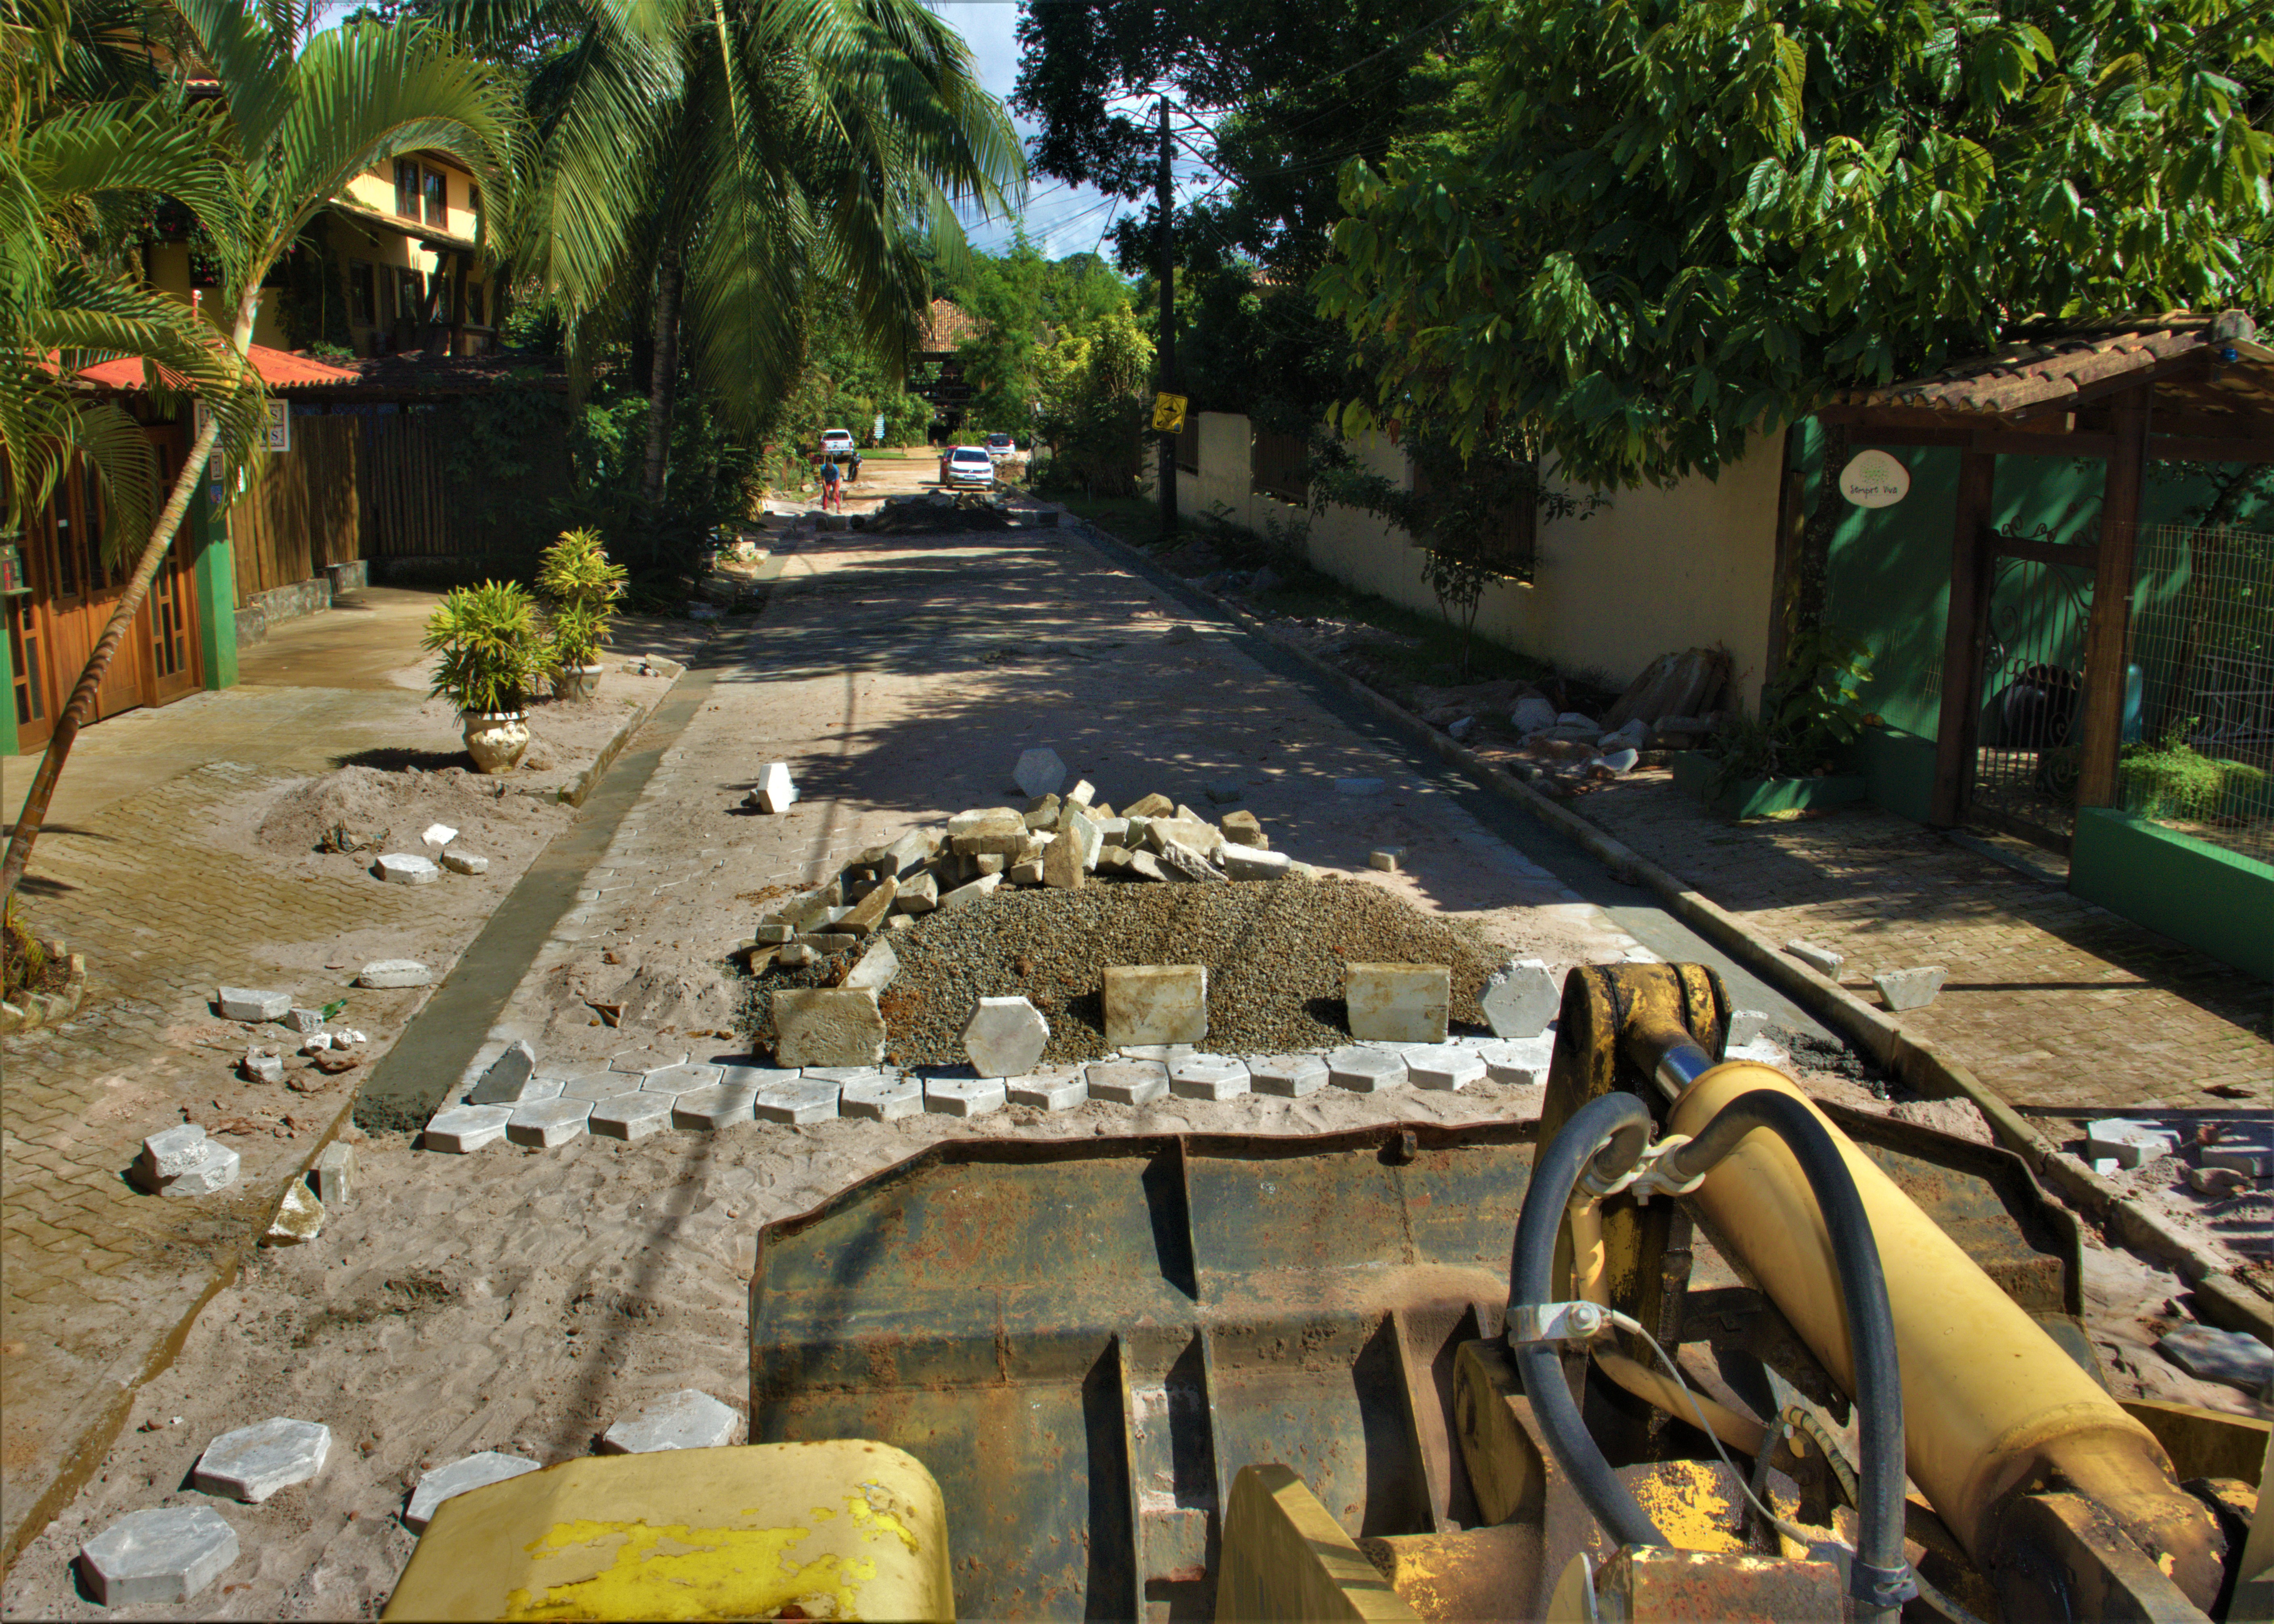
[(406, 188), (438, 199), (410, 296), (363, 298), (1276, 467)]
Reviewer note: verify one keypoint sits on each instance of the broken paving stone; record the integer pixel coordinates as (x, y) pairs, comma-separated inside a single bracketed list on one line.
[(797, 955), (1181, 862), (1004, 1037), (809, 1099), (2251, 1159), (774, 791), (165, 1554), (175, 1151), (439, 834), (246, 1003), (1156, 1003), (1447, 1068), (827, 1026), (255, 1462), (1245, 862), (905, 855), (721, 1105), (1209, 1077), (1745, 1027), (1521, 1063), (1823, 960), (464, 862), (1083, 793), (1242, 828), (299, 1217), (1028, 873), (1067, 863), (304, 1021), (1366, 1071), (978, 890), (1617, 760), (883, 1099), (317, 1044), (964, 1096), (2129, 1143), (1127, 1082), (866, 915), (1052, 1088), (1042, 815), (1910, 990), (1149, 807), (215, 1171), (2217, 1182), (1288, 1077), (332, 1176), (1145, 866), (919, 895), (474, 1471), (1386, 858), (545, 1123), (2230, 1356), (1397, 1003), (504, 1078), (630, 1115), (875, 972), (407, 868), (1039, 773), (686, 1419), (261, 1067), (1520, 998), (395, 973), (459, 1130)]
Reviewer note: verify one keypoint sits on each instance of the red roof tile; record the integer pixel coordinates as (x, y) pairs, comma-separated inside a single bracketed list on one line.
[(2035, 371), (279, 369)]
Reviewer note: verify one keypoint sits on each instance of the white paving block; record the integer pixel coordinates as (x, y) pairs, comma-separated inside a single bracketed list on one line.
[(809, 1099), (504, 1080), (395, 973), (1366, 1071), (255, 1462), (548, 1122), (172, 1152), (884, 1099), (1127, 1082), (1290, 1076), (407, 868), (1004, 1037), (775, 791), (1398, 1003), (964, 1096), (632, 1116), (721, 1105), (458, 1129), (1520, 998), (473, 1471), (1209, 1077), (1447, 1068), (299, 1217), (250, 1003), (1520, 1064), (686, 1419), (167, 1553), (1048, 1088), (596, 1085), (687, 1078)]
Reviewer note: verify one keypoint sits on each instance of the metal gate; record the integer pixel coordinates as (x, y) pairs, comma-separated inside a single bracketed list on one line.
[(2036, 613)]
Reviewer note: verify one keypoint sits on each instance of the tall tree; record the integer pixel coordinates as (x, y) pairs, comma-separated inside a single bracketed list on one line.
[(715, 161), (288, 132), (1677, 222)]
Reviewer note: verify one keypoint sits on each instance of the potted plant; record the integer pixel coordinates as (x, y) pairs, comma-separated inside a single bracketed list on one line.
[(1784, 759), (493, 650), (580, 587)]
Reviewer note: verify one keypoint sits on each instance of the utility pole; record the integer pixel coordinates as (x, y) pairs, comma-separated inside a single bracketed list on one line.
[(1167, 345)]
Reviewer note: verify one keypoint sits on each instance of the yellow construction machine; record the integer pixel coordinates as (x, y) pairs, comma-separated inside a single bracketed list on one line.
[(1689, 1347)]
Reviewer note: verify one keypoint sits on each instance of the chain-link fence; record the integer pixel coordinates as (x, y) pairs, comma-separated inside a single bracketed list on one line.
[(2199, 709)]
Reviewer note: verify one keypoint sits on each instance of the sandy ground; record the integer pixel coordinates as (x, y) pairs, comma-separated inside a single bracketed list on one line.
[(520, 1300)]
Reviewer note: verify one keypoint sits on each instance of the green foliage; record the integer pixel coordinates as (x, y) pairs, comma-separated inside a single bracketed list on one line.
[(2173, 782), (580, 585), (492, 646), (1809, 713), (1094, 407), (1677, 222)]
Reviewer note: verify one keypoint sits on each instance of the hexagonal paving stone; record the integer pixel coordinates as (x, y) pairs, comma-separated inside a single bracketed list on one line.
[(460, 1129), (168, 1554), (684, 1078), (1048, 1088), (1290, 1076), (1520, 998), (1523, 1063), (253, 1463), (632, 1116), (1209, 1077), (447, 1482), (719, 1106), (964, 1096), (1366, 1071), (644, 1060), (597, 1085), (1004, 1037), (887, 1097), (686, 1419), (548, 1122), (1446, 1069), (805, 1099), (1127, 1082)]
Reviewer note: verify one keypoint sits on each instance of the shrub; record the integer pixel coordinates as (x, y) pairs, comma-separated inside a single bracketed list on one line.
[(491, 644)]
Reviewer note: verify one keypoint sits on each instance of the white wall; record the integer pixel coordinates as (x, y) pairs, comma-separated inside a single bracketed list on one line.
[(1652, 572)]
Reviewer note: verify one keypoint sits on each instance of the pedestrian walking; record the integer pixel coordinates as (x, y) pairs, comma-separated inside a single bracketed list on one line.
[(831, 496)]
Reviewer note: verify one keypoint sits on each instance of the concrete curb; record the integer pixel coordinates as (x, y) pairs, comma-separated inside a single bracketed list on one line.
[(1919, 1063), (575, 794)]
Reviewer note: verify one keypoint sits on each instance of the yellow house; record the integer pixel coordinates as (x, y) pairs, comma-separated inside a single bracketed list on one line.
[(392, 266)]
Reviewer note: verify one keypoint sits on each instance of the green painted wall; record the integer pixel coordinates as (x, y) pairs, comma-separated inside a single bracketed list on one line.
[(214, 569), (1898, 770), (2198, 893), (8, 706)]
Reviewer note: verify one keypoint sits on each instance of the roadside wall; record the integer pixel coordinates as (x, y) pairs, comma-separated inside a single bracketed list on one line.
[(1651, 572)]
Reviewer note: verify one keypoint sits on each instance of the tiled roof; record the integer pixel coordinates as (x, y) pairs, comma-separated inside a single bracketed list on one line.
[(2042, 369), (947, 324), (279, 369)]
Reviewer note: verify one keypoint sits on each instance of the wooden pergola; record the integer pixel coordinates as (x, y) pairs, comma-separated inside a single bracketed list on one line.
[(2168, 389)]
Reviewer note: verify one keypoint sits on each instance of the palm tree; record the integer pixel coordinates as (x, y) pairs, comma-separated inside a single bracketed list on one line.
[(289, 130), (711, 159)]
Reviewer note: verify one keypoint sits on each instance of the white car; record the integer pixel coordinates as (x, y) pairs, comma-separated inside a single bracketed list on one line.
[(836, 443), (968, 465), (1001, 447)]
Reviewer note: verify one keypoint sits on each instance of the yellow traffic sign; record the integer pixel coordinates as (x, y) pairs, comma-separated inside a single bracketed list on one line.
[(1169, 414)]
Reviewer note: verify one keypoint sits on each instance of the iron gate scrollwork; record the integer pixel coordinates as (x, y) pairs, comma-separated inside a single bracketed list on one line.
[(2037, 612)]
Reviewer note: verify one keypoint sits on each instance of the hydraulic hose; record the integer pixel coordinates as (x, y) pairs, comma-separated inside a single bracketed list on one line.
[(1615, 1124), (1880, 1568)]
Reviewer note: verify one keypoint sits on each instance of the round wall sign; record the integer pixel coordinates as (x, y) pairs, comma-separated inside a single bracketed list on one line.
[(1874, 479)]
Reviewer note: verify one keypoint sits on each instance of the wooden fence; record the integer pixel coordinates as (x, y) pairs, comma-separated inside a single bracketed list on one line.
[(302, 510), (408, 499)]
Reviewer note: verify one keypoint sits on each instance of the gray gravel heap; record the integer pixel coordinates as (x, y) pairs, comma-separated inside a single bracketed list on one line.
[(1275, 952)]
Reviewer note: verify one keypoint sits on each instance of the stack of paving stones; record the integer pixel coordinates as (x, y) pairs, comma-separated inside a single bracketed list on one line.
[(830, 1038)]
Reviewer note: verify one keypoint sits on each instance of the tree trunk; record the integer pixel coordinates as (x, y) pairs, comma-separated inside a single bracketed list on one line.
[(82, 702), (663, 389), (1805, 603)]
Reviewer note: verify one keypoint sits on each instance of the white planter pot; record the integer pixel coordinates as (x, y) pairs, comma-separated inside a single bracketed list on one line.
[(496, 740), (576, 682)]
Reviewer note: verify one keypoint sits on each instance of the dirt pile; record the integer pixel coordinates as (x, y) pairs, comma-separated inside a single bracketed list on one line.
[(358, 808)]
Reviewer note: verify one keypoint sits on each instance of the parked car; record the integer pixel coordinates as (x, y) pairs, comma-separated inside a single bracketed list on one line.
[(838, 443), (1001, 447), (968, 465)]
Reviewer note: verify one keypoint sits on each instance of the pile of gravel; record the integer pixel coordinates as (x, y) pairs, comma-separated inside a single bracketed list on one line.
[(1275, 952)]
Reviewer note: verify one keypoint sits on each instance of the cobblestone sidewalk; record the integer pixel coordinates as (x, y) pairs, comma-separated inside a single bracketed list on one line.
[(2055, 1003)]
